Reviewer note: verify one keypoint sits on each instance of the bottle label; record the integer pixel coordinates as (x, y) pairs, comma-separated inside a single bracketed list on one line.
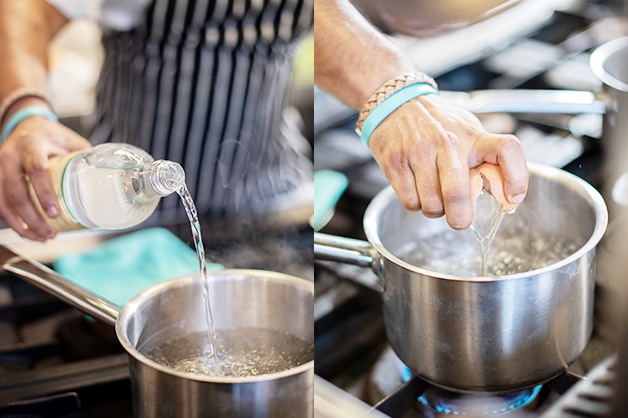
[(65, 221)]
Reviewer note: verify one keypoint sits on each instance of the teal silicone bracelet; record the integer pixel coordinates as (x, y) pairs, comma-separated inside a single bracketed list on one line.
[(24, 113), (390, 104)]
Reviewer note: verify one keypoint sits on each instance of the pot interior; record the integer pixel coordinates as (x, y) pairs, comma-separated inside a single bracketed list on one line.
[(254, 310), (561, 215)]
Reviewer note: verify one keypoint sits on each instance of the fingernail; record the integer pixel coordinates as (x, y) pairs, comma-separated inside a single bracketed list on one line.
[(518, 198), (52, 211)]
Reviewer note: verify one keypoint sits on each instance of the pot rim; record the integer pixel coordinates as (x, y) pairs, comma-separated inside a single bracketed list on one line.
[(383, 198), (133, 303), (600, 56)]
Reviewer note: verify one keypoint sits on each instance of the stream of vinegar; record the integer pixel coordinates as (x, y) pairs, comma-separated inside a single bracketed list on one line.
[(195, 225)]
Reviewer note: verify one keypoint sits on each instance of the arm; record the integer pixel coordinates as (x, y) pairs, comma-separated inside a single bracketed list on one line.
[(26, 29), (352, 59), (426, 147)]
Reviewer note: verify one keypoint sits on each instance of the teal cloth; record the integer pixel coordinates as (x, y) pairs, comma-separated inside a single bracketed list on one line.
[(122, 267), (329, 186)]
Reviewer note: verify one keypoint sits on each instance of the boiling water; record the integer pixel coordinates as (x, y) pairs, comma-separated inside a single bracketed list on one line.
[(195, 224), (453, 252), (242, 352), (497, 244)]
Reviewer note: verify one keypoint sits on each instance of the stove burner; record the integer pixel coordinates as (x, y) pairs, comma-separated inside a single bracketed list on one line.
[(438, 402)]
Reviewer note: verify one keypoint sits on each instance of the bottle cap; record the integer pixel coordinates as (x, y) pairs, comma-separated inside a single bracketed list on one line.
[(166, 177)]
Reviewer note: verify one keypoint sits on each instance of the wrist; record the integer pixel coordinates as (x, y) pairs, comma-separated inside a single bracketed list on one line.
[(390, 88), (387, 100), (26, 112), (19, 98), (21, 104)]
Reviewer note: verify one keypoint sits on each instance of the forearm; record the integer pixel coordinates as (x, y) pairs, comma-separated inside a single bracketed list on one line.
[(353, 59), (26, 29)]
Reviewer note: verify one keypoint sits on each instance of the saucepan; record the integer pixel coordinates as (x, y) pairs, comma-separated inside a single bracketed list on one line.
[(249, 300), (485, 333)]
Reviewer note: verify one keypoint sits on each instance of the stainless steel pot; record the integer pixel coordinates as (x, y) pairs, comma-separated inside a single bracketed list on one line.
[(239, 298), (490, 334), (608, 63)]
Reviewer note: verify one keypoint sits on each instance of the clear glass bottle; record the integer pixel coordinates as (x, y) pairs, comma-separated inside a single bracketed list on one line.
[(110, 186)]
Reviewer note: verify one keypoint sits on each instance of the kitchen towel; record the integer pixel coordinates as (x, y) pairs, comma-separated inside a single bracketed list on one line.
[(122, 267), (329, 186)]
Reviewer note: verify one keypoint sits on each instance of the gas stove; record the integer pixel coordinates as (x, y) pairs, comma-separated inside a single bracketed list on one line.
[(356, 367)]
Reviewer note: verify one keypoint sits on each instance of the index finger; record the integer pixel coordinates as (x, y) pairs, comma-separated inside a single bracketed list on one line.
[(19, 199), (36, 168), (505, 151)]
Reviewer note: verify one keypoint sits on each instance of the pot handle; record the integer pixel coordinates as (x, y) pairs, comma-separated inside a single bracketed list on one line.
[(528, 101), (344, 250), (53, 283)]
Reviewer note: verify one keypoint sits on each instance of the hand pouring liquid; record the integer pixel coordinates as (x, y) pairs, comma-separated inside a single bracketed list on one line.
[(109, 186)]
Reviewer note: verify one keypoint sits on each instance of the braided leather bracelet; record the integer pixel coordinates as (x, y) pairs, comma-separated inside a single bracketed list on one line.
[(392, 103), (388, 89)]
